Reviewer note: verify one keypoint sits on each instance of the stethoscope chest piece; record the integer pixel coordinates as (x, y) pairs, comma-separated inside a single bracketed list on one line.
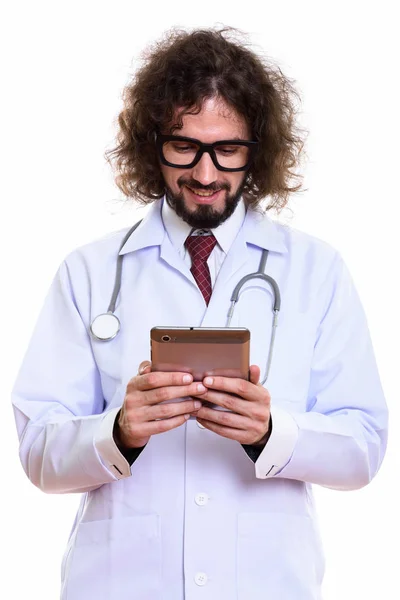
[(105, 327)]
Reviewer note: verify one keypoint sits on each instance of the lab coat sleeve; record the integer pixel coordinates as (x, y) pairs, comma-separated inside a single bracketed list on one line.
[(58, 402), (340, 440)]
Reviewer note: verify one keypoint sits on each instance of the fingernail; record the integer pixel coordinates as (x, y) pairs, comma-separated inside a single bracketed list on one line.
[(209, 381), (197, 404), (187, 417), (201, 388), (187, 378)]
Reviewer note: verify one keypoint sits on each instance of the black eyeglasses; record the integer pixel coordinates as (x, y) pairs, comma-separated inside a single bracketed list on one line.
[(185, 153)]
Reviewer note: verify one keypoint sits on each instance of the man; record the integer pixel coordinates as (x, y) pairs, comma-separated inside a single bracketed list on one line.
[(181, 500)]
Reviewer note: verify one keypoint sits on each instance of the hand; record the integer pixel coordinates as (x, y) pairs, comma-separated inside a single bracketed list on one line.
[(146, 410), (249, 421)]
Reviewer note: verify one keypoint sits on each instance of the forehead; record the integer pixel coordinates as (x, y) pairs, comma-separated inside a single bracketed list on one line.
[(215, 121)]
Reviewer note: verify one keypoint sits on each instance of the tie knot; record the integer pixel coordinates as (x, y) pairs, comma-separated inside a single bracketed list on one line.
[(200, 246)]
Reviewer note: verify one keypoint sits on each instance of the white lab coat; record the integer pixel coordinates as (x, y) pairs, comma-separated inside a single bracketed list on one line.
[(194, 518)]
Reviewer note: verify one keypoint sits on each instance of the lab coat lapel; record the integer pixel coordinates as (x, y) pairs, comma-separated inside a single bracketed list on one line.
[(216, 313), (170, 255), (234, 261), (257, 231), (151, 232)]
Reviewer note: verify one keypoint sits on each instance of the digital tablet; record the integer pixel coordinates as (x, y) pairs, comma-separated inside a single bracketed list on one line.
[(201, 351)]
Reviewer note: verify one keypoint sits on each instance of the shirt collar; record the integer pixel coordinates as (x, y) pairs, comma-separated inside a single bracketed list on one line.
[(178, 230), (258, 229)]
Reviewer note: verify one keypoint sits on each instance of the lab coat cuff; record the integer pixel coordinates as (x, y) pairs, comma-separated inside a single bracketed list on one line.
[(280, 446), (107, 449)]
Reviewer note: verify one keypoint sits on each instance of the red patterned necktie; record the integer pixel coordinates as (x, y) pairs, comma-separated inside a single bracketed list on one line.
[(200, 248)]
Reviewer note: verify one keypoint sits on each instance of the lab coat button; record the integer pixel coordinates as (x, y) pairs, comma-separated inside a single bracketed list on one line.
[(201, 499), (201, 578)]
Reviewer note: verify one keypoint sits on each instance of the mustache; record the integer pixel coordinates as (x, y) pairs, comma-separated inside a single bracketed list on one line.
[(196, 185)]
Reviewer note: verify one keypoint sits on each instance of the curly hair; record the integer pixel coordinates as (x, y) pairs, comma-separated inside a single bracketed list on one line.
[(179, 73)]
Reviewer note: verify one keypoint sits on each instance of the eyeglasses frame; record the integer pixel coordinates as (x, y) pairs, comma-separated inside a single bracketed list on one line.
[(209, 148)]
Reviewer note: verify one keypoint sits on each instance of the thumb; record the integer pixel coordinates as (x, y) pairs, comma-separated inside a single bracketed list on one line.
[(144, 367), (254, 374)]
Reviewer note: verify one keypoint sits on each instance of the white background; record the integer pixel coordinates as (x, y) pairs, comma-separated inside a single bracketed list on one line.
[(64, 65)]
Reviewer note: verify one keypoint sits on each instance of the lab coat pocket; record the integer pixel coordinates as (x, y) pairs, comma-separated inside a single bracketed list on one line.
[(115, 558), (278, 557)]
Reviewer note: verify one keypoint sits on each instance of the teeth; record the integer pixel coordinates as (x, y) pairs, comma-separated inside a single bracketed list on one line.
[(198, 193)]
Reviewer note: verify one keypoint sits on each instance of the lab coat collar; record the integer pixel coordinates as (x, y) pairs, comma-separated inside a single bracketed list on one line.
[(150, 232), (258, 230)]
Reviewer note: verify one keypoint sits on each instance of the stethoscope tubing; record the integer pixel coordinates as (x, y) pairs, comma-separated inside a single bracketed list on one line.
[(118, 274), (234, 299)]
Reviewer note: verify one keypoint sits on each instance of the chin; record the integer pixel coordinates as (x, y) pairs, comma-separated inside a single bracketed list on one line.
[(203, 216)]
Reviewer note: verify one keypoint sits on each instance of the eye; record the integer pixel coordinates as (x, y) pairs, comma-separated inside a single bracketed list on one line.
[(183, 147), (227, 150)]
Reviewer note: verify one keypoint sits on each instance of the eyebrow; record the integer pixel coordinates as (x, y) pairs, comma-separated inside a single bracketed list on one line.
[(229, 139)]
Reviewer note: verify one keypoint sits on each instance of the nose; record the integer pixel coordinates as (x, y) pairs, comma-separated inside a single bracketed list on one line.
[(205, 171)]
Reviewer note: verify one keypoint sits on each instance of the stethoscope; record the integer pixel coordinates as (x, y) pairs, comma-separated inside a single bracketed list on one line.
[(106, 326)]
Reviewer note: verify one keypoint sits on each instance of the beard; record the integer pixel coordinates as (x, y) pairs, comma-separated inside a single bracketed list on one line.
[(204, 216)]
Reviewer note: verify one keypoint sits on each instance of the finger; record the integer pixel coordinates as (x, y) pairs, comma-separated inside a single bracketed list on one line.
[(254, 372), (240, 387), (228, 432), (233, 403), (225, 418), (144, 367), (171, 409), (154, 427), (157, 379), (166, 394)]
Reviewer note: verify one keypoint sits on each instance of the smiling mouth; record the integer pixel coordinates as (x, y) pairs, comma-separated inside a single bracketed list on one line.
[(203, 193)]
